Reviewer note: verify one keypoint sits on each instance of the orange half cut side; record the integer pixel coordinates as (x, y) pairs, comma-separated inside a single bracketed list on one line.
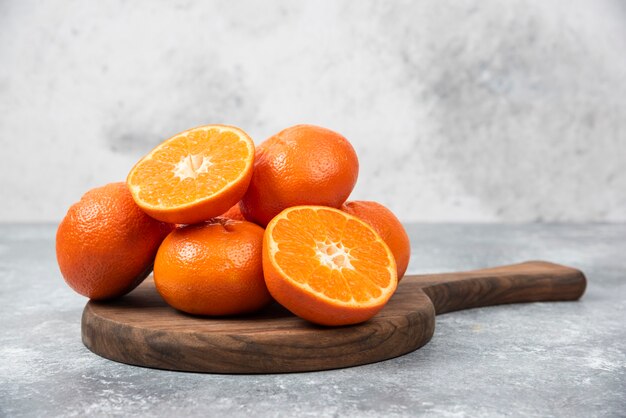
[(327, 266), (195, 175)]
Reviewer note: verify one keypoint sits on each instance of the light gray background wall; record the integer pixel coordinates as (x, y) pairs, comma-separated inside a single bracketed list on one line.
[(459, 110)]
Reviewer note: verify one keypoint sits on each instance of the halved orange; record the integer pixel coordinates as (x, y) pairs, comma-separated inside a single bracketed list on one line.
[(195, 175), (327, 266)]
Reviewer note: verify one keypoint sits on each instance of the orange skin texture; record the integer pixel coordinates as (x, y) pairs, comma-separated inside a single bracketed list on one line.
[(388, 226), (212, 268), (106, 244), (301, 165), (234, 213)]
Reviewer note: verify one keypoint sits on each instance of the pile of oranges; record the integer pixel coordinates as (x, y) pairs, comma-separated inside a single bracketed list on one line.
[(228, 228)]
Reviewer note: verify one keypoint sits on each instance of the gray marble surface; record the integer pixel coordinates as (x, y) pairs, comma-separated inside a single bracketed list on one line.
[(540, 359), (460, 111)]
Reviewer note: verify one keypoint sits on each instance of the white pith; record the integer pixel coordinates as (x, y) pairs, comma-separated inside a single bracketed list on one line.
[(333, 255), (191, 165)]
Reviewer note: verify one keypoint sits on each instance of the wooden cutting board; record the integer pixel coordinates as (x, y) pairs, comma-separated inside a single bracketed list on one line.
[(141, 329)]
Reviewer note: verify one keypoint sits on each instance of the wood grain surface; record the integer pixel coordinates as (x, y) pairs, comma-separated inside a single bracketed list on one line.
[(141, 329)]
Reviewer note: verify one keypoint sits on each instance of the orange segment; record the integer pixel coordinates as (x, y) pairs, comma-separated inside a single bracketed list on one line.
[(195, 175), (327, 266)]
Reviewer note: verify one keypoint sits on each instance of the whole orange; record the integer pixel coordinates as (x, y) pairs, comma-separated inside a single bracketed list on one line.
[(106, 244), (301, 165), (213, 268), (388, 227)]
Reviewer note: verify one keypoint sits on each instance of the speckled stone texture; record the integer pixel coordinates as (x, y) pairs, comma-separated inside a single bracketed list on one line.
[(474, 110), (563, 359)]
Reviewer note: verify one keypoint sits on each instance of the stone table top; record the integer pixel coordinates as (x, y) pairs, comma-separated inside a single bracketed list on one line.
[(539, 359)]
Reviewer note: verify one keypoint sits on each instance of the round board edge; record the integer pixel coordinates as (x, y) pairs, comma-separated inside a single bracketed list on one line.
[(280, 345)]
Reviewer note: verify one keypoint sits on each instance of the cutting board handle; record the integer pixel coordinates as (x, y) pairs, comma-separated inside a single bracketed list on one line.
[(531, 281)]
